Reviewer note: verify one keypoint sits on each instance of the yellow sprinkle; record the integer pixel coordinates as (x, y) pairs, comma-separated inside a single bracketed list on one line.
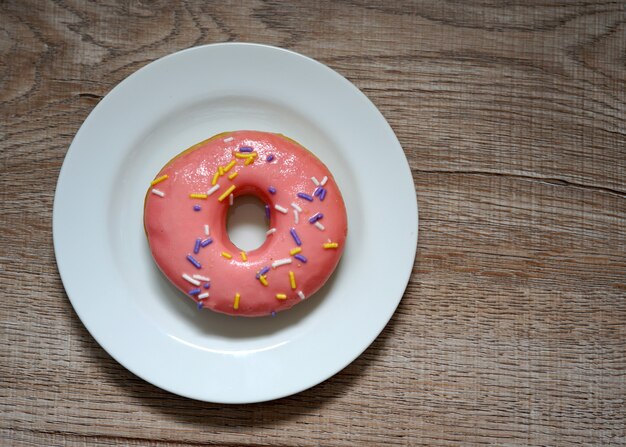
[(159, 180), (229, 165), (281, 296), (232, 175), (220, 171), (227, 255), (295, 251), (236, 301), (331, 245), (226, 193), (215, 177), (244, 256), (292, 280), (198, 196), (250, 159), (263, 280), (245, 154)]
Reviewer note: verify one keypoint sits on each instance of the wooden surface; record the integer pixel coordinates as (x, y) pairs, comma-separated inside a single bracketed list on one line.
[(512, 330)]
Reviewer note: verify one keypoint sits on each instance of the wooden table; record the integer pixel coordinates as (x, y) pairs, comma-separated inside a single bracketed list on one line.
[(512, 330)]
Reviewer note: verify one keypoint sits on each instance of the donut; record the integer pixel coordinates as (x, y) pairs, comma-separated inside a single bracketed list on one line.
[(185, 213)]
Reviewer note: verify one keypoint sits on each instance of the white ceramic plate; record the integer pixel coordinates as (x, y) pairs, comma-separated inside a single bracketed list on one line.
[(104, 260)]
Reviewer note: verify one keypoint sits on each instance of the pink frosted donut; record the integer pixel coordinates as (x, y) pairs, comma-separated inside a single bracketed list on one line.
[(185, 221)]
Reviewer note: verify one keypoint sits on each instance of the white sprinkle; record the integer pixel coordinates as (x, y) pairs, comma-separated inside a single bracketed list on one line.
[(203, 295), (228, 140), (319, 225), (270, 231), (324, 180), (296, 207), (202, 278), (213, 189), (280, 262), (314, 180), (231, 199), (206, 230), (300, 294), (158, 192), (188, 278), (296, 219), (281, 209)]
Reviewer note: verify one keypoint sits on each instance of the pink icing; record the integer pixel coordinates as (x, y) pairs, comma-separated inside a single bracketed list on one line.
[(172, 226)]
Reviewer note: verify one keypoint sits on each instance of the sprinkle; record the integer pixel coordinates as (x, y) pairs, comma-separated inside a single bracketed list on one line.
[(296, 207), (200, 277), (198, 196), (305, 196), (236, 301), (196, 247), (281, 209), (220, 170), (189, 279), (158, 180), (250, 160), (281, 296), (232, 175), (213, 189), (195, 291), (314, 180), (270, 157), (207, 285), (203, 295), (324, 180), (226, 193), (267, 212), (295, 251), (330, 245), (227, 255), (280, 262), (319, 226), (316, 217), (206, 229), (292, 280), (158, 192), (215, 177), (246, 155), (323, 194), (196, 208), (230, 165), (300, 258), (263, 280), (272, 190), (295, 237), (200, 305), (317, 191), (206, 242), (273, 314), (270, 231), (262, 272), (245, 149), (244, 256), (231, 200), (195, 263), (301, 294), (228, 140), (296, 218)]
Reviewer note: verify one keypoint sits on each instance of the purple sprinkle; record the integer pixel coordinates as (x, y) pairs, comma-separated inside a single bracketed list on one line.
[(200, 305), (206, 242), (207, 285), (272, 190), (317, 191), (194, 292), (300, 258), (245, 149), (305, 196), (267, 211), (316, 217), (196, 208), (194, 262), (273, 313), (262, 272), (295, 237), (196, 247), (270, 157), (323, 194)]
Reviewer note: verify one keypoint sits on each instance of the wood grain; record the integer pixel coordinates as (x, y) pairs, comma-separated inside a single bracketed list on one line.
[(512, 330)]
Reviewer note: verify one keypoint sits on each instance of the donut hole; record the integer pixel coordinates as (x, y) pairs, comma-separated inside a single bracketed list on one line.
[(246, 223)]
